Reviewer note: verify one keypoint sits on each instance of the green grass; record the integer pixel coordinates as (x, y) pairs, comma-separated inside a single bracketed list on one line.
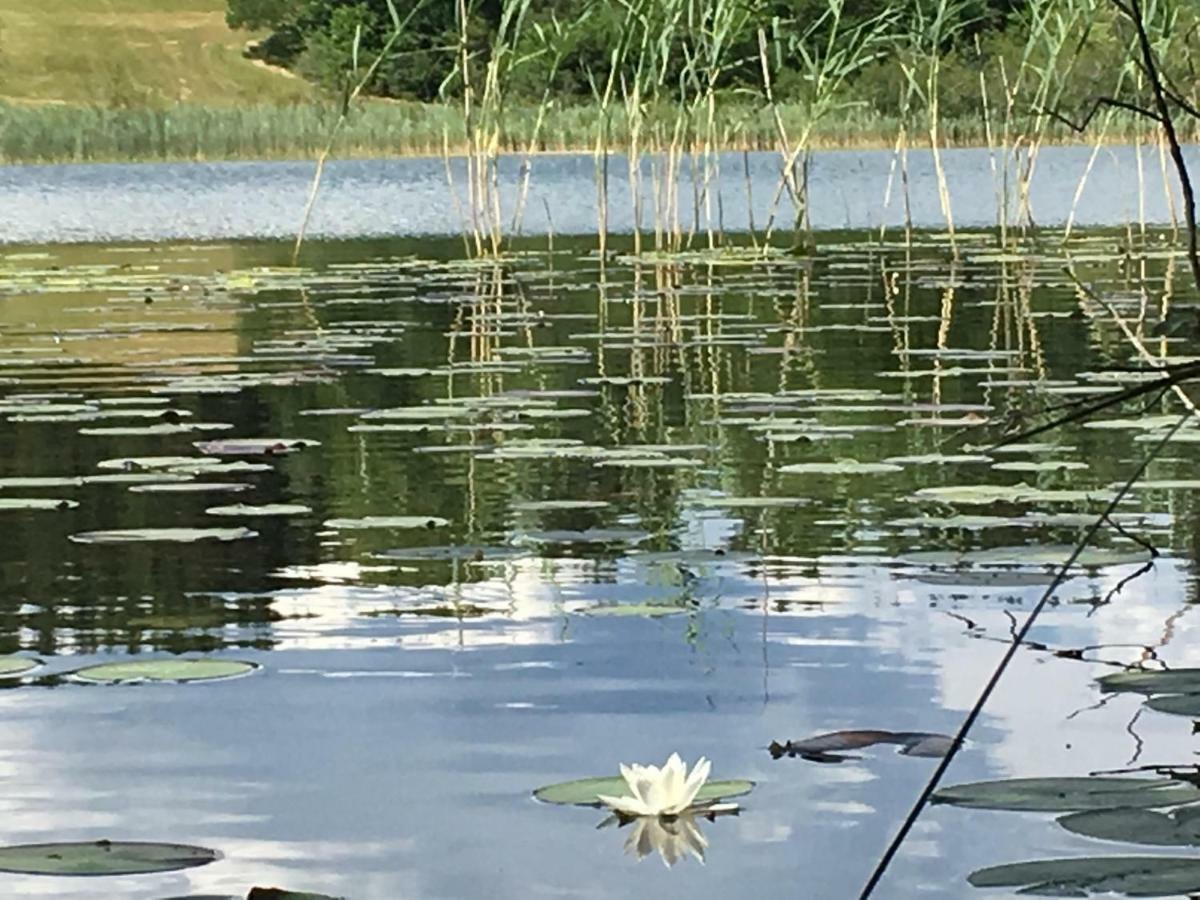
[(131, 53), (376, 129)]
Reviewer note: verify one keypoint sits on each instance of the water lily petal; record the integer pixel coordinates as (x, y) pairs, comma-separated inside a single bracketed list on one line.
[(629, 806), (694, 782)]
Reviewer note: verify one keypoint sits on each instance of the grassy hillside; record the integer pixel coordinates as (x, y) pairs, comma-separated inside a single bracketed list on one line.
[(130, 53)]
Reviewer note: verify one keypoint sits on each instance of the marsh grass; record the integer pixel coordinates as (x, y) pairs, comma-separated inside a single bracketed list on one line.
[(378, 129)]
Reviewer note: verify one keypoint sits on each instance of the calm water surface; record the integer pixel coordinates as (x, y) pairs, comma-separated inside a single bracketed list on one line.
[(410, 699), (849, 189)]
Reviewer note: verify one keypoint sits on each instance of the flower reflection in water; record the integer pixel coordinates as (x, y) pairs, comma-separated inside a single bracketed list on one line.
[(674, 838)]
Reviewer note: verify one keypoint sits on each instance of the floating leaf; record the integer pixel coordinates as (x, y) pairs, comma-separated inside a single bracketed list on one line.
[(162, 535), (12, 666), (1177, 704), (102, 858), (265, 509), (1180, 828), (1132, 876), (262, 893), (182, 670), (841, 467), (586, 791), (555, 505), (386, 522), (590, 536), (253, 446), (464, 553), (1069, 794), (831, 747), (35, 503), (1169, 681)]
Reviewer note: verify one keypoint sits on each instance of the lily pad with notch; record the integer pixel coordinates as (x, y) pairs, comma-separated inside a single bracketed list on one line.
[(96, 858)]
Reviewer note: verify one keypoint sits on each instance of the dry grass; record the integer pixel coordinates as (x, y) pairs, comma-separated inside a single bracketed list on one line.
[(130, 53)]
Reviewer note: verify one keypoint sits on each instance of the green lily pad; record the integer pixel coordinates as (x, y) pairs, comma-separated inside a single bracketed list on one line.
[(265, 509), (262, 893), (1131, 876), (982, 494), (139, 463), (555, 505), (586, 791), (392, 522), (102, 858), (1069, 794), (35, 503), (182, 670), (841, 467), (162, 535), (749, 502), (1171, 681), (1180, 828), (1176, 704), (12, 666)]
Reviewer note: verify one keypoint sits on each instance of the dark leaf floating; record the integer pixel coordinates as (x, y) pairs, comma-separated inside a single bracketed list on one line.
[(829, 748), (272, 893)]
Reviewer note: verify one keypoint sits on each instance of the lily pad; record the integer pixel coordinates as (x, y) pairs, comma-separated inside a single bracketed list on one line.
[(1131, 876), (35, 503), (555, 505), (102, 858), (391, 522), (1180, 828), (1176, 704), (1069, 794), (841, 467), (1170, 681), (13, 666), (262, 893), (586, 791), (162, 535), (265, 509), (181, 670), (253, 446)]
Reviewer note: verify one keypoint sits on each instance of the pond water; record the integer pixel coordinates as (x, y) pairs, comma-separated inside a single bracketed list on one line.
[(849, 189), (550, 516)]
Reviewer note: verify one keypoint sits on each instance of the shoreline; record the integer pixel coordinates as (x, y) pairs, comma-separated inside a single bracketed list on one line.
[(62, 134)]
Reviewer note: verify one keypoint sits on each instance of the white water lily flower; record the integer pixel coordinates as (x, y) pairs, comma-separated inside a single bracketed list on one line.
[(673, 839), (659, 792)]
